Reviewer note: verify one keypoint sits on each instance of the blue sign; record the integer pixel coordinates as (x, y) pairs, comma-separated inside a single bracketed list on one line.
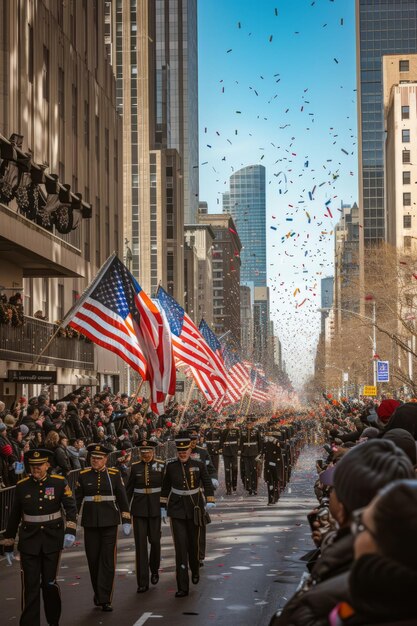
[(382, 371)]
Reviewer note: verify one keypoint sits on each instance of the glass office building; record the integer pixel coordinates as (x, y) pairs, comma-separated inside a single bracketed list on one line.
[(245, 201), (383, 27)]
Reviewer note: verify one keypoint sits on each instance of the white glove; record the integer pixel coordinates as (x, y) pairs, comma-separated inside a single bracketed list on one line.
[(10, 557), (127, 529), (210, 505), (215, 482), (19, 468), (69, 540), (163, 514)]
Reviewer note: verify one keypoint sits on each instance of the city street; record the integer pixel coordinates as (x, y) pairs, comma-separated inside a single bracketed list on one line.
[(252, 567)]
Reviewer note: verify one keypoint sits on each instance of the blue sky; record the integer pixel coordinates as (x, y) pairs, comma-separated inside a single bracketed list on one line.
[(280, 90)]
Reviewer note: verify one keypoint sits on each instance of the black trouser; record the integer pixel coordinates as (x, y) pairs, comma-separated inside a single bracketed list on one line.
[(186, 540), (147, 529), (251, 473), (215, 461), (101, 550), (230, 472), (33, 569), (272, 482)]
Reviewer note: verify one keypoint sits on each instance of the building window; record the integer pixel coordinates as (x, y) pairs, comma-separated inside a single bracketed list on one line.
[(405, 112), (407, 221), (61, 93), (406, 178), (30, 54), (407, 198), (407, 242), (45, 74), (406, 156), (404, 66), (405, 135), (86, 124)]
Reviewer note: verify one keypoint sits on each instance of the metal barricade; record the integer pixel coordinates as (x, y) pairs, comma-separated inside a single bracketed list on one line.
[(6, 502)]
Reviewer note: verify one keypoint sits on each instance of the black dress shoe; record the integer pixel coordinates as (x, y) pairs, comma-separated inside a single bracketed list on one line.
[(195, 579), (154, 579), (142, 589), (181, 594), (107, 607)]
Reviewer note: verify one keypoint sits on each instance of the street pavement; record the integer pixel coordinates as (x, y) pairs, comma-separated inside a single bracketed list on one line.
[(252, 567)]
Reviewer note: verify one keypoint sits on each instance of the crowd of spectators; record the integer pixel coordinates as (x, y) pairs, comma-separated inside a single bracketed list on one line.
[(364, 567), (69, 425)]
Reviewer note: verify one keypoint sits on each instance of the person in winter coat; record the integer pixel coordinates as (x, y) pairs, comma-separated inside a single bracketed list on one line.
[(61, 461), (355, 480), (383, 579)]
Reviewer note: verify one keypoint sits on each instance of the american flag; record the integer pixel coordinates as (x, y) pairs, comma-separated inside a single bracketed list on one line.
[(216, 347), (239, 380), (115, 313), (190, 349), (260, 386)]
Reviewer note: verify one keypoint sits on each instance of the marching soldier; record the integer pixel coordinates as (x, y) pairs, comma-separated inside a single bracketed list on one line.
[(230, 442), (182, 487), (212, 438), (201, 454), (101, 492), (144, 485), (251, 446), (37, 508), (273, 468)]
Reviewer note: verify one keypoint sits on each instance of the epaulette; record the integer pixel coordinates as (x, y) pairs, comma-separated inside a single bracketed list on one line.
[(22, 480), (84, 471), (57, 476), (161, 461), (135, 463), (113, 470)]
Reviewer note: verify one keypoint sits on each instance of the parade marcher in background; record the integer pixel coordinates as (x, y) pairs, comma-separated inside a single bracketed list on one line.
[(201, 454), (251, 446), (273, 466), (212, 439), (230, 442), (37, 508), (101, 492), (144, 486), (181, 493)]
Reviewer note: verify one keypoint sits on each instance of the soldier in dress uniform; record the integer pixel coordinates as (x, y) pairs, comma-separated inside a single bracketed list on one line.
[(184, 482), (37, 508), (273, 465), (102, 494), (251, 447), (230, 443), (212, 439), (144, 486), (201, 454)]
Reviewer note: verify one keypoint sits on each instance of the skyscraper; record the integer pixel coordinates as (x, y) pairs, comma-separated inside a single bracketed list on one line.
[(154, 53), (245, 201), (383, 27)]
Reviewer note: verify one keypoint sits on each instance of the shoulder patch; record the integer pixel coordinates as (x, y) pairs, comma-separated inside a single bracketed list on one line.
[(23, 480), (84, 471), (57, 476)]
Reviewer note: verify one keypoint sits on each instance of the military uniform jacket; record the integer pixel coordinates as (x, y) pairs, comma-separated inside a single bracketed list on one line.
[(200, 454), (250, 442), (146, 477), (103, 498), (42, 498), (185, 477), (272, 458), (230, 441), (213, 440)]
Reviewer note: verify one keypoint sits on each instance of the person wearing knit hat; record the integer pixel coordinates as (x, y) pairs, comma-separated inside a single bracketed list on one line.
[(404, 416), (386, 409), (10, 421), (404, 440)]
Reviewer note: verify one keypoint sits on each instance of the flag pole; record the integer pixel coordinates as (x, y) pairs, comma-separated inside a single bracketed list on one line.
[(187, 402), (250, 399), (75, 306)]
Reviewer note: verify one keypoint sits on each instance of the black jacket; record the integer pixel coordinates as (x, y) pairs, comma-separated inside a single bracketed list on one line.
[(33, 497), (200, 454), (230, 441), (186, 476), (250, 442), (107, 483), (336, 559), (145, 475), (212, 438), (273, 463)]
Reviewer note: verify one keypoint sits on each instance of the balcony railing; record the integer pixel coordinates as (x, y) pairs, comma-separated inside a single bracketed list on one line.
[(24, 343)]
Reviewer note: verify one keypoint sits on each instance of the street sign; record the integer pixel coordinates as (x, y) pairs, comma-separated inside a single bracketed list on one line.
[(369, 390), (179, 386), (382, 371)]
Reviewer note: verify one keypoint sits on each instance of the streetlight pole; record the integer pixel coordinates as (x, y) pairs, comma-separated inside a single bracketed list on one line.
[(374, 340)]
